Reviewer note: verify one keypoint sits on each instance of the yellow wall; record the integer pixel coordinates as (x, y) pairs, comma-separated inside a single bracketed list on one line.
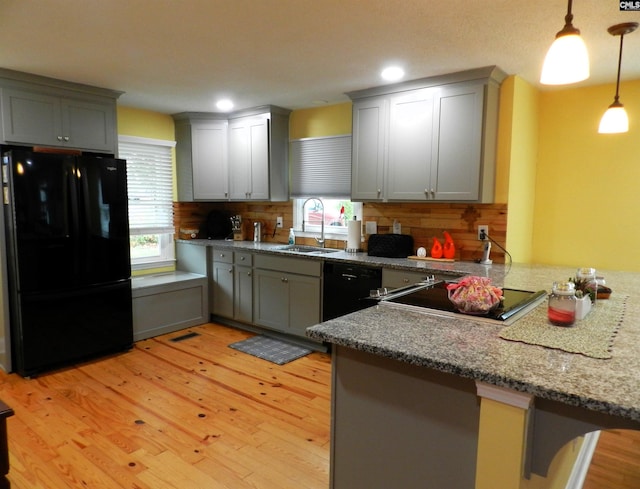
[(586, 199), (148, 124), (570, 191), (519, 138), (145, 124), (331, 120), (153, 125)]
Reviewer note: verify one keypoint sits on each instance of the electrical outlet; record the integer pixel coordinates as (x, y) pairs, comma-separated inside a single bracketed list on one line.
[(279, 222), (483, 232)]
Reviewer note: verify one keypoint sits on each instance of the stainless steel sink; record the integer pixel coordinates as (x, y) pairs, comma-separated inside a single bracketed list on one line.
[(306, 249)]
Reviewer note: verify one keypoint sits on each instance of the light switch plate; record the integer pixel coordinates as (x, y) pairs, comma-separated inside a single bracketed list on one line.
[(371, 227), (279, 221)]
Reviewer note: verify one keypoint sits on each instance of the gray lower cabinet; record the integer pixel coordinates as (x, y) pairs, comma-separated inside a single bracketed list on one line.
[(221, 283), (47, 112), (231, 285), (167, 302), (243, 287), (394, 279), (287, 293)]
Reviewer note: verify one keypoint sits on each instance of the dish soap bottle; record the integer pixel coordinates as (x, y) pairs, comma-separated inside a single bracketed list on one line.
[(292, 237)]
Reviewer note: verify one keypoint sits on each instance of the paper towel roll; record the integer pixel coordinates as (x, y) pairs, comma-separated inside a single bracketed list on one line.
[(354, 233)]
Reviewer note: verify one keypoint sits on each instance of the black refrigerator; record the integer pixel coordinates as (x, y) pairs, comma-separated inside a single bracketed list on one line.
[(67, 245)]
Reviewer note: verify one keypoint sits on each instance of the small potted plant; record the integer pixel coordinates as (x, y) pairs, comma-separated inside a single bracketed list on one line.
[(583, 303)]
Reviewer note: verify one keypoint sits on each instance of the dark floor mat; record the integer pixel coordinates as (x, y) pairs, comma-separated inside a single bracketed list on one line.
[(272, 350)]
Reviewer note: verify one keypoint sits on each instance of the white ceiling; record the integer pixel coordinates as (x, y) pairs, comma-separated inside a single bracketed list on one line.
[(181, 55)]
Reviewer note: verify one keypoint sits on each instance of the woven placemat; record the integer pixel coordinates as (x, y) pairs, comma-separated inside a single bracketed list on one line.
[(591, 336)]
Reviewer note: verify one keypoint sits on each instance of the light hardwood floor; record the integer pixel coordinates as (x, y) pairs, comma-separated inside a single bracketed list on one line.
[(197, 414), (616, 461), (189, 414)]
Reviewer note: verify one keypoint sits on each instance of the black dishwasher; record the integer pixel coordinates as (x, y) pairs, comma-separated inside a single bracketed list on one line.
[(346, 288)]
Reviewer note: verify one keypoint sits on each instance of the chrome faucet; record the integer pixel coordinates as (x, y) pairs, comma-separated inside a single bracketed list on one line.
[(319, 240)]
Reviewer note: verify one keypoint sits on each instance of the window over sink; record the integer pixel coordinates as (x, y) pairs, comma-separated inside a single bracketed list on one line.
[(336, 214)]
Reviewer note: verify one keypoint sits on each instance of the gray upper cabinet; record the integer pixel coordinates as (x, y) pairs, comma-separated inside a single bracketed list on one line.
[(241, 156), (249, 158), (368, 148), (46, 112), (427, 140), (460, 165), (201, 155), (411, 145)]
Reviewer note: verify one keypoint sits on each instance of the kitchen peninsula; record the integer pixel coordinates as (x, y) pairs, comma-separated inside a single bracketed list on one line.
[(406, 385), (420, 397)]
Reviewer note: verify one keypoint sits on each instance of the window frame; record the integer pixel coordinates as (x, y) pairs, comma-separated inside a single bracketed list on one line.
[(165, 232), (312, 230)]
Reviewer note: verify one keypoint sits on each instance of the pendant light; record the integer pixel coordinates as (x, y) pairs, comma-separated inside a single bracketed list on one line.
[(615, 119), (567, 60)]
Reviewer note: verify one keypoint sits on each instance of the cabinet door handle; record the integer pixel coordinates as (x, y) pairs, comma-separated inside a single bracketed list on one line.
[(231, 270), (284, 279), (59, 138), (405, 280), (248, 274), (66, 138), (242, 258)]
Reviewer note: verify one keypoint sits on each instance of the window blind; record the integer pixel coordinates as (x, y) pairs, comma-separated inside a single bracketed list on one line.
[(149, 184), (321, 167)]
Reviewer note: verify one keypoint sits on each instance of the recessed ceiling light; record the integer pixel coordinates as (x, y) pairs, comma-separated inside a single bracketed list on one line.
[(392, 73), (224, 104)]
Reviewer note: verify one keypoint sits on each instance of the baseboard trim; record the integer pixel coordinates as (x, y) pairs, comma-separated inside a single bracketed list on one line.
[(583, 461)]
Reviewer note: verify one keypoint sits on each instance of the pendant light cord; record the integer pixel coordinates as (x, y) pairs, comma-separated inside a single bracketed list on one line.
[(568, 19), (568, 28), (616, 98)]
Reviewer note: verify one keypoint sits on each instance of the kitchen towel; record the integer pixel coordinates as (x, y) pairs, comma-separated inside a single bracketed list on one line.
[(592, 336), (354, 235)]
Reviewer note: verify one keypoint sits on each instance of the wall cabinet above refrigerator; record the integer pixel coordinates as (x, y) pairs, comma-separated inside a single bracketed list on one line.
[(39, 111), (432, 139), (241, 156)]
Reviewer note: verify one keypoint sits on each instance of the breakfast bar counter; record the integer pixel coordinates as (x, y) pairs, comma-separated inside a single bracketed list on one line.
[(390, 365)]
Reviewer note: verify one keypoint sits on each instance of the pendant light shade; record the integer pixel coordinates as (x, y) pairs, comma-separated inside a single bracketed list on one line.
[(567, 60), (615, 119)]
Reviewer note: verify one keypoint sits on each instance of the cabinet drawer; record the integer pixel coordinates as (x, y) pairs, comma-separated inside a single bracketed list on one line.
[(400, 278), (242, 258), (222, 256), (300, 266)]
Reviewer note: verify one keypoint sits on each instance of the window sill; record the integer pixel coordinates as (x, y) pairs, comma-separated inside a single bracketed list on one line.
[(153, 264), (310, 234)]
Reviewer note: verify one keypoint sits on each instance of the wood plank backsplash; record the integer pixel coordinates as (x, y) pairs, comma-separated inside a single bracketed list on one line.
[(423, 221)]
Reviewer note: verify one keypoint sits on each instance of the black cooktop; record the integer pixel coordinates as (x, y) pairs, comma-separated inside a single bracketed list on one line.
[(436, 297)]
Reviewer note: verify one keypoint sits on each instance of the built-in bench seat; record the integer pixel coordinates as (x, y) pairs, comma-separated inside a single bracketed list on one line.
[(167, 302)]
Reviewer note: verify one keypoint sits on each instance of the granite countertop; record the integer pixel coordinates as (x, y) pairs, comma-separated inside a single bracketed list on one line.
[(474, 350), (360, 258)]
